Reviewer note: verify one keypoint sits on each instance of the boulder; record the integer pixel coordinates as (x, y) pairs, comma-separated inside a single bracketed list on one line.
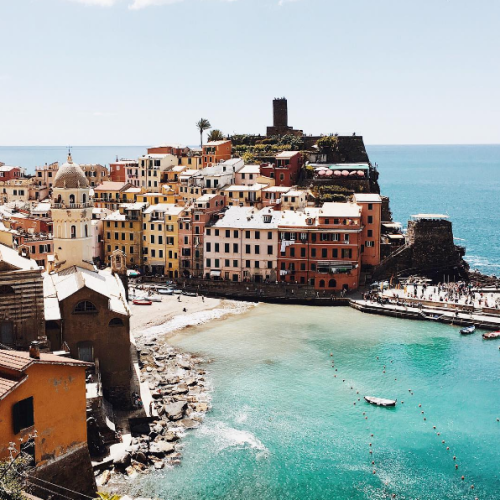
[(174, 411), (122, 460), (170, 436), (181, 389), (191, 381), (104, 478), (130, 471), (158, 465), (141, 457), (183, 363), (187, 423), (161, 449), (201, 407)]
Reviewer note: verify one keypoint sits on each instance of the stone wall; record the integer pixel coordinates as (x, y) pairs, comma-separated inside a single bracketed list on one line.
[(429, 251), (72, 471)]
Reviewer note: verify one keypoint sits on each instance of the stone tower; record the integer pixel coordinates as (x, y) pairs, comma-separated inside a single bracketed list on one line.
[(72, 216), (119, 267), (280, 113)]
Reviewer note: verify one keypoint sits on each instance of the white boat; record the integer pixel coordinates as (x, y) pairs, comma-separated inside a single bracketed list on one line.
[(380, 401), (165, 291), (468, 330)]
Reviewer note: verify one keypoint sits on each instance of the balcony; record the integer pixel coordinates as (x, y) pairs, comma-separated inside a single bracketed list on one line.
[(72, 205)]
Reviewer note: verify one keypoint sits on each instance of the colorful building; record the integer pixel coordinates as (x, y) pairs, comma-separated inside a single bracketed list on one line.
[(285, 171), (371, 221), (161, 239), (95, 173), (110, 194), (43, 411), (216, 151), (192, 230), (321, 246), (242, 245), (124, 171), (8, 172)]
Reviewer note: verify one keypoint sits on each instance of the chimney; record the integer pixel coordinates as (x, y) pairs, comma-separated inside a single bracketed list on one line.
[(35, 350)]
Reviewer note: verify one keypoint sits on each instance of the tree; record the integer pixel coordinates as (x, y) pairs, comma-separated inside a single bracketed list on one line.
[(248, 158), (215, 135), (203, 125)]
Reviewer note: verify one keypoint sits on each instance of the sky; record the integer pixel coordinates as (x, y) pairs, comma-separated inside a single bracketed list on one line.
[(128, 72)]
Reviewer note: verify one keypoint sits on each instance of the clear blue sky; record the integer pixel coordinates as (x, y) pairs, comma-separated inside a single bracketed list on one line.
[(144, 71)]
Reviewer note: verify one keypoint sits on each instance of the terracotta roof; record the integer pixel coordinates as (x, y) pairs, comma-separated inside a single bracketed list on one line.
[(8, 385), (20, 361)]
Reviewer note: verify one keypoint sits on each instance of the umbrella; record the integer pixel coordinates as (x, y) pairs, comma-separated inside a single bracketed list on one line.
[(321, 172), (345, 173), (328, 173), (361, 173), (337, 173)]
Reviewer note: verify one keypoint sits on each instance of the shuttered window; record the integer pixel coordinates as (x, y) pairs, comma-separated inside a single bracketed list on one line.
[(22, 413)]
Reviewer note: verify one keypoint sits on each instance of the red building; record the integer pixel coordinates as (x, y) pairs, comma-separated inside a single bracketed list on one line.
[(7, 173), (123, 170), (169, 149), (191, 231), (321, 247), (286, 170), (216, 151)]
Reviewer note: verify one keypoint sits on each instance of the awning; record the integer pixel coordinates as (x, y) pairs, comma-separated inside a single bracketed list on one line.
[(214, 273)]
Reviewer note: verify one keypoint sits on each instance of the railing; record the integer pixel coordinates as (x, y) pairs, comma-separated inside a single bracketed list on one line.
[(72, 205)]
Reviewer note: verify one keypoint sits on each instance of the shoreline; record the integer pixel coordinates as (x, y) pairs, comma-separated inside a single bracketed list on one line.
[(174, 390)]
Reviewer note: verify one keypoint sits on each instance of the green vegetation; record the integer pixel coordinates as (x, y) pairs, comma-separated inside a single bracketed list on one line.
[(215, 135), (248, 158), (12, 483), (203, 125), (108, 496), (332, 193), (329, 141)]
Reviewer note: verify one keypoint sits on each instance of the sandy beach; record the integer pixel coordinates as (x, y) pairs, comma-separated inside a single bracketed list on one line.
[(144, 317)]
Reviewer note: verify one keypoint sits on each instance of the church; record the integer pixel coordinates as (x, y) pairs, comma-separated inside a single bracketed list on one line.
[(86, 310)]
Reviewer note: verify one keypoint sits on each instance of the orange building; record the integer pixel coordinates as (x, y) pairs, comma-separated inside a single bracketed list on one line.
[(321, 246), (216, 151), (371, 222), (43, 411)]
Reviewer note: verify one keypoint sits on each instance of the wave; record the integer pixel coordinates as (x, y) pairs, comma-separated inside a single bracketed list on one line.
[(182, 321), (225, 437)]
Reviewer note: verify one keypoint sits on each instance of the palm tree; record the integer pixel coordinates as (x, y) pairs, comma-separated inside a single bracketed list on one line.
[(203, 125), (215, 135)]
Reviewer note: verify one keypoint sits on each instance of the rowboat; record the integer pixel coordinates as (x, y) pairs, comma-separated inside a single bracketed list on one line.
[(190, 294), (380, 401), (468, 330), (165, 291), (491, 335), (142, 302)]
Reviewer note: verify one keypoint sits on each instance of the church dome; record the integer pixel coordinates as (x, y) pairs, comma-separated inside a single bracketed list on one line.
[(70, 176)]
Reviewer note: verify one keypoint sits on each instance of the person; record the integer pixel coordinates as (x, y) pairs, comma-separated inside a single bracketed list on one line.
[(184, 310), (178, 299), (203, 298)]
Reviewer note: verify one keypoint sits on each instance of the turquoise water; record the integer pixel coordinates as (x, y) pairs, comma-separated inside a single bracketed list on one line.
[(282, 426)]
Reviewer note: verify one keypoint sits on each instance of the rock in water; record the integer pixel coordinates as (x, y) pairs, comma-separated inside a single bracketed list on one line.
[(174, 411), (122, 460)]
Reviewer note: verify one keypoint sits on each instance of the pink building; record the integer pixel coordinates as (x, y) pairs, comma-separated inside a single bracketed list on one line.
[(192, 230)]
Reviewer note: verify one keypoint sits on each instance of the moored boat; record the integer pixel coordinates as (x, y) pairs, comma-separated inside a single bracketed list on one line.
[(491, 335), (165, 291), (468, 330), (142, 302), (380, 401)]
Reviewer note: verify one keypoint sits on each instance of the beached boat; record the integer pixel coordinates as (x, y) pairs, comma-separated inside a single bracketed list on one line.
[(190, 294), (154, 299), (142, 302), (380, 401), (165, 291), (468, 330), (491, 335), (177, 292)]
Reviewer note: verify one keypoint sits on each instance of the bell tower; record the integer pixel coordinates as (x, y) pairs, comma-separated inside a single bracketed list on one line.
[(72, 218)]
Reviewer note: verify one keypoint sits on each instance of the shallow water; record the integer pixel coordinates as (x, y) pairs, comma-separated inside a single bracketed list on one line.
[(282, 426)]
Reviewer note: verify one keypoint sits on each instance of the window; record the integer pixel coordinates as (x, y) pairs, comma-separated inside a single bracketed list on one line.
[(322, 284), (152, 238), (247, 249), (332, 283), (22, 414), (73, 232), (226, 262), (313, 252), (228, 233), (324, 253), (235, 234), (131, 236), (370, 206), (247, 234), (370, 233), (257, 235), (153, 253), (6, 290), (269, 249), (369, 244), (217, 247), (235, 247), (247, 263), (217, 263), (226, 247), (292, 252), (208, 231), (116, 322), (269, 264), (370, 219), (269, 235), (257, 264), (257, 249), (85, 306), (209, 263), (335, 253), (235, 263)]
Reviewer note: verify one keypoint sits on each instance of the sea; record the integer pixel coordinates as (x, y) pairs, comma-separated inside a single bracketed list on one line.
[(288, 419)]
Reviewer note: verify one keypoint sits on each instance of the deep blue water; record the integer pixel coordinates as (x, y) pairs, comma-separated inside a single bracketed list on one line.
[(461, 181)]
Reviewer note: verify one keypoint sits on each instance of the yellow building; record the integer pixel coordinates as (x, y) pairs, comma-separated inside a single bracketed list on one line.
[(110, 194), (161, 239), (123, 231)]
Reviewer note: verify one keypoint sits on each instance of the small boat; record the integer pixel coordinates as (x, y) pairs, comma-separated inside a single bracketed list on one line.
[(190, 294), (380, 401), (165, 291), (154, 299), (468, 330), (142, 302), (491, 335), (177, 292)]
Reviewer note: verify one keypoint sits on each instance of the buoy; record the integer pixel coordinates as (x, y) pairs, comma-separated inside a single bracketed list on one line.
[(409, 390), (335, 376), (343, 380), (357, 392), (371, 451), (420, 406), (371, 435), (454, 457), (395, 379), (366, 418), (370, 444), (383, 371), (498, 419), (442, 441), (354, 402), (374, 472), (439, 434), (377, 357), (448, 448), (402, 402), (336, 369), (364, 413), (433, 426), (422, 412), (425, 418), (456, 466), (331, 354), (359, 399), (463, 478), (471, 486), (373, 462)]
